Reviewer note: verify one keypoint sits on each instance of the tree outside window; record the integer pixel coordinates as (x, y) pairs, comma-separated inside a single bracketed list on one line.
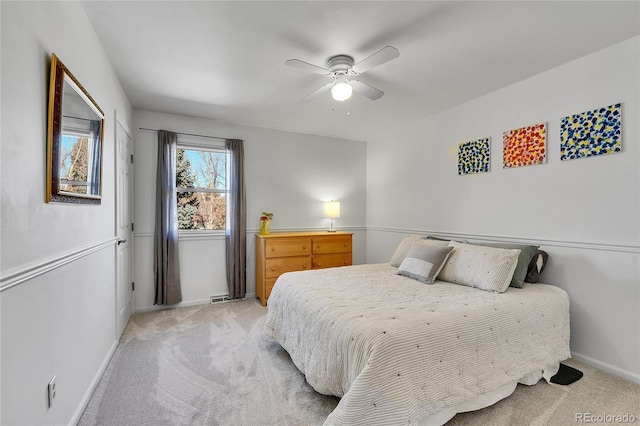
[(201, 183), (74, 170)]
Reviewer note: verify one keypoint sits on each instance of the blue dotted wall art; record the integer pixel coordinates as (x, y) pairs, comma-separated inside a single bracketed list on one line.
[(473, 156), (591, 133)]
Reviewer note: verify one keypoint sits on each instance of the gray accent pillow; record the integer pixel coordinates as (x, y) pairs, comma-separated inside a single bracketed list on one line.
[(536, 267), (403, 249), (527, 252), (424, 262), (406, 244), (431, 237)]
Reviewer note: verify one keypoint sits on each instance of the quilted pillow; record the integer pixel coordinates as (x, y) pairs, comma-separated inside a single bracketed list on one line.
[(407, 243), (527, 253), (424, 262), (486, 268)]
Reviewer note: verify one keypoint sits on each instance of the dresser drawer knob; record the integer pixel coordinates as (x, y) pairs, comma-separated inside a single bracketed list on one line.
[(273, 268), (304, 247), (273, 249)]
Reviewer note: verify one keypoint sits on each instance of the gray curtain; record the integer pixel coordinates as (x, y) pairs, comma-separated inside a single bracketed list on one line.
[(236, 232), (165, 263), (96, 134)]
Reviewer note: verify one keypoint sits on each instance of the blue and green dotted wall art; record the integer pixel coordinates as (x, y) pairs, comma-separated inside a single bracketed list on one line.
[(591, 133), (473, 156)]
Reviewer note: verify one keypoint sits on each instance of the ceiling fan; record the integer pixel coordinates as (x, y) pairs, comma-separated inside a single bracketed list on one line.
[(344, 74)]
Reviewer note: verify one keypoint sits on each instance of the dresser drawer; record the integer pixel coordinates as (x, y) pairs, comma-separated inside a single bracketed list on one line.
[(281, 247), (333, 244), (275, 267), (268, 284), (282, 252), (321, 261)]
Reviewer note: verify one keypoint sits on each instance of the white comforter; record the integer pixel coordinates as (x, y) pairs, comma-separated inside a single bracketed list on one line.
[(397, 350)]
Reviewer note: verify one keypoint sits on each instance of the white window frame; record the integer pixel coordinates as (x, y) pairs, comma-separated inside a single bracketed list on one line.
[(78, 128), (198, 143)]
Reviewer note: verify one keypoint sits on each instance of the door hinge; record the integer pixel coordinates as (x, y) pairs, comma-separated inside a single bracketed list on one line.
[(133, 286), (131, 226), (131, 158)]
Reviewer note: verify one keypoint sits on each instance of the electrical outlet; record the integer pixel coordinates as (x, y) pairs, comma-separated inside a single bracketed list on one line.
[(51, 391)]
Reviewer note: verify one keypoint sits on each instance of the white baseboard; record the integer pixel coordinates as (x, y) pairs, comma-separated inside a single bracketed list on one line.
[(625, 374), (94, 383), (177, 305), (152, 308)]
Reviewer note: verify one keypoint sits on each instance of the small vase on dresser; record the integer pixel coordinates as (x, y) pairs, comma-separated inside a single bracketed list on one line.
[(264, 227)]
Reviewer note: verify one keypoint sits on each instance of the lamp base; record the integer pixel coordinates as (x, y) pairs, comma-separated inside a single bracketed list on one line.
[(331, 228)]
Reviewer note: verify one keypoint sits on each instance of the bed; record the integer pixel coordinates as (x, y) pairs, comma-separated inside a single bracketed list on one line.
[(399, 351)]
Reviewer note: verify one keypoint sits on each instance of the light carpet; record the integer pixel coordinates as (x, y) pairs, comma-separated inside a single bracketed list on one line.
[(209, 365)]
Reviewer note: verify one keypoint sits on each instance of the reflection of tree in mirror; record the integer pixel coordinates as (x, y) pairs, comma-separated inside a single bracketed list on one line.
[(74, 173), (205, 172)]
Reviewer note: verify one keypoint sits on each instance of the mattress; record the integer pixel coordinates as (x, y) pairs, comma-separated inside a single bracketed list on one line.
[(397, 351)]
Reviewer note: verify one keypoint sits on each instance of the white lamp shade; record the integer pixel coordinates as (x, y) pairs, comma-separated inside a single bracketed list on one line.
[(341, 91), (332, 209)]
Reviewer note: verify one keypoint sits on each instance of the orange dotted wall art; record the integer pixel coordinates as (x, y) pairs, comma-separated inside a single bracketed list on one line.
[(525, 146)]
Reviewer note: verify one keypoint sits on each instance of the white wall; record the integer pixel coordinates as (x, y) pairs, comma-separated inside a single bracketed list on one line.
[(585, 213), (58, 278), (289, 174)]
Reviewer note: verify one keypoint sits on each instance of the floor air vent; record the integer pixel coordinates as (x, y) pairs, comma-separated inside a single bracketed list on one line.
[(218, 299)]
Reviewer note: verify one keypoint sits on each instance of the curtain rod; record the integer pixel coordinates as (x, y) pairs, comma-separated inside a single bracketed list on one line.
[(187, 134)]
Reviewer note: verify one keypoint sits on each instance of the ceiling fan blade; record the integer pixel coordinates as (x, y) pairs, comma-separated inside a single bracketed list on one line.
[(305, 66), (380, 57), (366, 90), (311, 96)]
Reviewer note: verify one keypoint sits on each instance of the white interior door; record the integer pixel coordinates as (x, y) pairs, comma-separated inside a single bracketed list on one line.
[(124, 225)]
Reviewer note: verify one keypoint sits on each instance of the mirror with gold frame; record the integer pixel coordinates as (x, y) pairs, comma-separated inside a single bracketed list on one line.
[(74, 140)]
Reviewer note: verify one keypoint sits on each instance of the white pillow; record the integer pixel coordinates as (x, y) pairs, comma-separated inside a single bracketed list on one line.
[(424, 262), (486, 268), (405, 245)]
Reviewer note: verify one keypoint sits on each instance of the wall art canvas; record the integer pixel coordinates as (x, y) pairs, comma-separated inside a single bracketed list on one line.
[(524, 146), (591, 133), (473, 156)]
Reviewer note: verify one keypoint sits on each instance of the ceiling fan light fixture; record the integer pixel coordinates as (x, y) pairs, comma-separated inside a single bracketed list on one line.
[(341, 91)]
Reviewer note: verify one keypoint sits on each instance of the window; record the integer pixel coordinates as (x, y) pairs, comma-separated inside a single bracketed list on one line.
[(201, 183), (76, 165)]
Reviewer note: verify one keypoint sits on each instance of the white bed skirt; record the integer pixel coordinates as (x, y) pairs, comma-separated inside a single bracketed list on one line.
[(489, 398)]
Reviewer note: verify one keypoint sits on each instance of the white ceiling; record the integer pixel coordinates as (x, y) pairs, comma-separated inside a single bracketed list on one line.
[(224, 60)]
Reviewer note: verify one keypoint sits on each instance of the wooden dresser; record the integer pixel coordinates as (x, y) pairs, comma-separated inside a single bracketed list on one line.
[(282, 252)]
